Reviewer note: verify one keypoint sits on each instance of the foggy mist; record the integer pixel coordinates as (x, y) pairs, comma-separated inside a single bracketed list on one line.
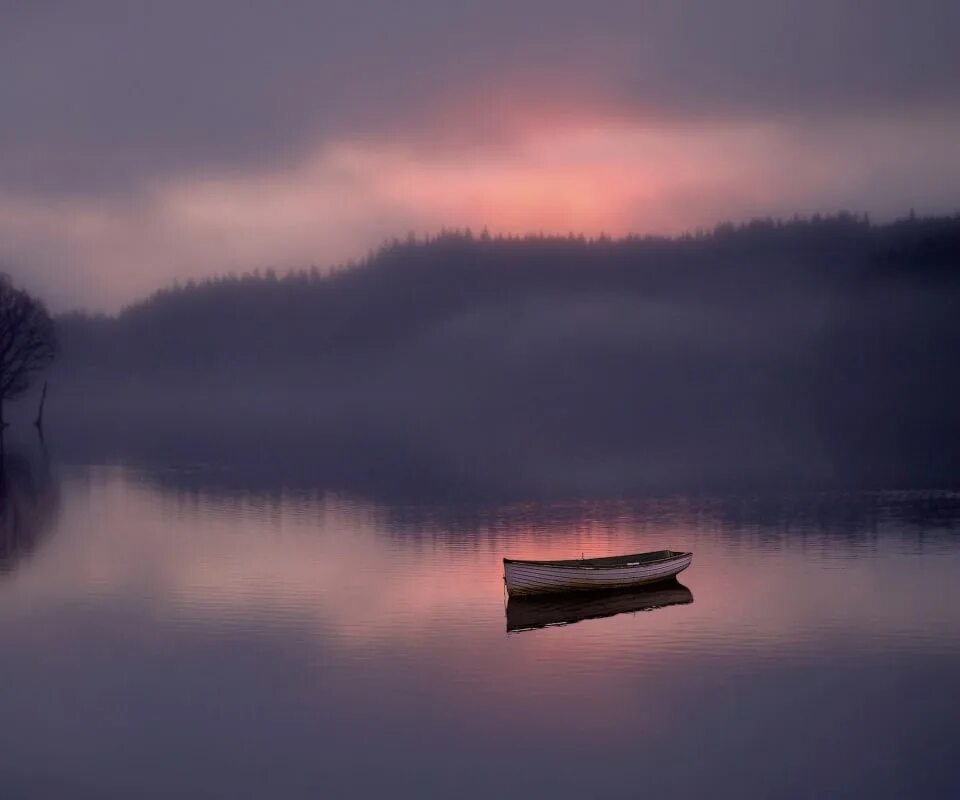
[(813, 352)]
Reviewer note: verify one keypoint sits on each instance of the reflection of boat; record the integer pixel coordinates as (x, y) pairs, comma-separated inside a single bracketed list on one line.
[(578, 574), (528, 613)]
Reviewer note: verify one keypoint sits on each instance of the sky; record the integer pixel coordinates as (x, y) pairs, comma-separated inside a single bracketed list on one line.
[(147, 142)]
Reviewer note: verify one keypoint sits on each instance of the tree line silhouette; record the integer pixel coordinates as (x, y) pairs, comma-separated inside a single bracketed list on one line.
[(817, 350)]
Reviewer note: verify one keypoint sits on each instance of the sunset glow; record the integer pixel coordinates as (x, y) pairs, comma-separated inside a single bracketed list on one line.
[(348, 197)]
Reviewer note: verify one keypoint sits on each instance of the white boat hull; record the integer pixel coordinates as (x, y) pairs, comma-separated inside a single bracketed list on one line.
[(530, 577)]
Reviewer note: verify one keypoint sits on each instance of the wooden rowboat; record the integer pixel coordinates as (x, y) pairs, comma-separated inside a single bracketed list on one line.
[(582, 574), (548, 610)]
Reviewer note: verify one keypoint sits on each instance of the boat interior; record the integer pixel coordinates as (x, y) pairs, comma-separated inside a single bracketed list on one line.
[(608, 561)]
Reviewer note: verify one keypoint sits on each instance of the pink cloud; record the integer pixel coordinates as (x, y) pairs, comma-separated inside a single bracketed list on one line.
[(588, 175)]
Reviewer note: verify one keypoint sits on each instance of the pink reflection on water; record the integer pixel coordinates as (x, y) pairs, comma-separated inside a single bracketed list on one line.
[(392, 619)]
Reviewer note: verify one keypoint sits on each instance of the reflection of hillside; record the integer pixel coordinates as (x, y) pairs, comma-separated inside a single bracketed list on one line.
[(29, 505), (529, 613), (837, 522)]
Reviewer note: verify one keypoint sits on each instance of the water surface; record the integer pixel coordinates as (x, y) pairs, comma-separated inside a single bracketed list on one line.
[(166, 634)]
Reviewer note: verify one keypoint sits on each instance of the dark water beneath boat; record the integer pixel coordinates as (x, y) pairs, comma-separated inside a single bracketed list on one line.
[(166, 636)]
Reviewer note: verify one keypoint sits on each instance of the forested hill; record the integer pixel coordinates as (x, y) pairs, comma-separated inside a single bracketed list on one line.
[(406, 287), (817, 351)]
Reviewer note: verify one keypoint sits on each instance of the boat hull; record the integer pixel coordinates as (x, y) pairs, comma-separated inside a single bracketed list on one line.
[(525, 578)]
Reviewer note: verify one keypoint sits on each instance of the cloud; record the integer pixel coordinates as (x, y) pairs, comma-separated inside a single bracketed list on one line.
[(103, 250), (110, 93)]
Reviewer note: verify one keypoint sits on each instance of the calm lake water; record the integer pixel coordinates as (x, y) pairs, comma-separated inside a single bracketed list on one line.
[(167, 635)]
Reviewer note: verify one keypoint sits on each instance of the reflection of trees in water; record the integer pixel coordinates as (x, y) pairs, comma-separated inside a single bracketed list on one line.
[(29, 505), (838, 520)]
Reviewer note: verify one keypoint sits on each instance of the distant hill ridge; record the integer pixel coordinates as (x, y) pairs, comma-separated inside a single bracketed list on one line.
[(406, 286)]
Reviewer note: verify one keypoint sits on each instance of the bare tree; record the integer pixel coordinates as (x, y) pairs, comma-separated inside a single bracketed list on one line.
[(27, 340)]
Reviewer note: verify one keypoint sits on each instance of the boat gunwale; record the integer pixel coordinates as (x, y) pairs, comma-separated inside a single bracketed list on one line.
[(609, 562)]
